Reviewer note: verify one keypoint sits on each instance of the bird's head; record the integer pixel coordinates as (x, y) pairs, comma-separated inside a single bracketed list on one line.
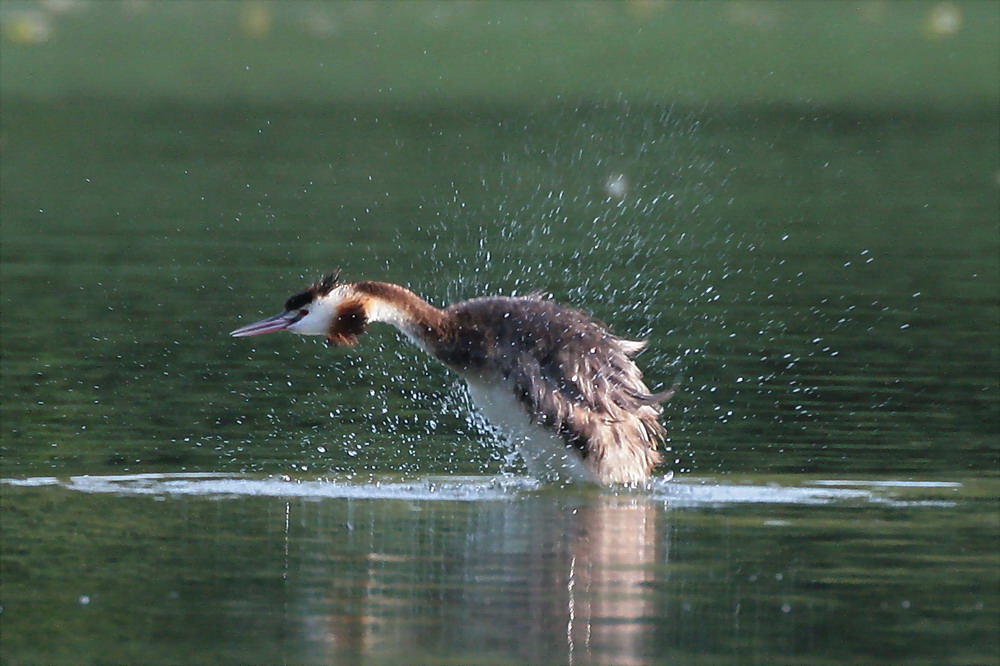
[(328, 307)]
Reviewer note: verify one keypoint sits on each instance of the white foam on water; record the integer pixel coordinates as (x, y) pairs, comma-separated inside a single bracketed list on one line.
[(33, 482), (888, 484), (684, 493)]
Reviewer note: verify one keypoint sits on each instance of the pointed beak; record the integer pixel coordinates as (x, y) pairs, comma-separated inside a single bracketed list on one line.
[(278, 322)]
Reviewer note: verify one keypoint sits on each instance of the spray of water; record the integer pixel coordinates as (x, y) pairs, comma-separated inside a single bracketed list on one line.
[(605, 207)]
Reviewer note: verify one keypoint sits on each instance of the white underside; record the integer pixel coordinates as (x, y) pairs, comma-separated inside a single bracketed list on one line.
[(544, 452)]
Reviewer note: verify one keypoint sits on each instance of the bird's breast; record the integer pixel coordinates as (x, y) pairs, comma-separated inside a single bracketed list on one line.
[(544, 451)]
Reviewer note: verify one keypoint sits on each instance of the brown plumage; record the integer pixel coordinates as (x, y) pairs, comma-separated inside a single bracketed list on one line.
[(568, 373)]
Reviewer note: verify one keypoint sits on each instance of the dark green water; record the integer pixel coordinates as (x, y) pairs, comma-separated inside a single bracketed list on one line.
[(817, 262)]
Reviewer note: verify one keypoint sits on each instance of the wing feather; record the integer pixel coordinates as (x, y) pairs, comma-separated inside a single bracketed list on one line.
[(570, 372)]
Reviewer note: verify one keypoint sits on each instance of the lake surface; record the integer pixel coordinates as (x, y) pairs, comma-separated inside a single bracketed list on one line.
[(819, 271), (205, 568)]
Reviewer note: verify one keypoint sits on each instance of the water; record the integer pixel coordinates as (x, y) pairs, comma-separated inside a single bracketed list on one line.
[(821, 276), (458, 570)]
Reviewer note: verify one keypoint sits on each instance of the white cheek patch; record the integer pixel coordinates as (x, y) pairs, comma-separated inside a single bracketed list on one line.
[(321, 313), (311, 324)]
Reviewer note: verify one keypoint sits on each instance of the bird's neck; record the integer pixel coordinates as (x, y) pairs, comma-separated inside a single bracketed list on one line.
[(417, 319)]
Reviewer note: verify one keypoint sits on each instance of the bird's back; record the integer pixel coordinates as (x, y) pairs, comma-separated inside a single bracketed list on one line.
[(569, 372)]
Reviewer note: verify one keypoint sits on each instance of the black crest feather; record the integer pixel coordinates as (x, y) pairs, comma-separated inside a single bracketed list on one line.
[(321, 287), (325, 285)]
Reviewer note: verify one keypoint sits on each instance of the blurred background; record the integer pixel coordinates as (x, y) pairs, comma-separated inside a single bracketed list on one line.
[(445, 54)]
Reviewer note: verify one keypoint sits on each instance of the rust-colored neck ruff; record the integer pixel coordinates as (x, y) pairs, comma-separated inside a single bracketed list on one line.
[(420, 321)]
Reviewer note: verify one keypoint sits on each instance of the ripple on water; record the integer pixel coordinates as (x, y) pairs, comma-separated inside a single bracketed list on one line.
[(684, 493)]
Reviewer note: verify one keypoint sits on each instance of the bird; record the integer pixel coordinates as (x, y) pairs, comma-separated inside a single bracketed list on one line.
[(558, 382)]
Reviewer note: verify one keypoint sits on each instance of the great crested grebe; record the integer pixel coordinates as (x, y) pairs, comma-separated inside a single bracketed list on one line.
[(562, 386)]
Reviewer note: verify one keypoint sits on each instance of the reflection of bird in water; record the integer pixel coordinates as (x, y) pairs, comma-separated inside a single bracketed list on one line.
[(563, 386)]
